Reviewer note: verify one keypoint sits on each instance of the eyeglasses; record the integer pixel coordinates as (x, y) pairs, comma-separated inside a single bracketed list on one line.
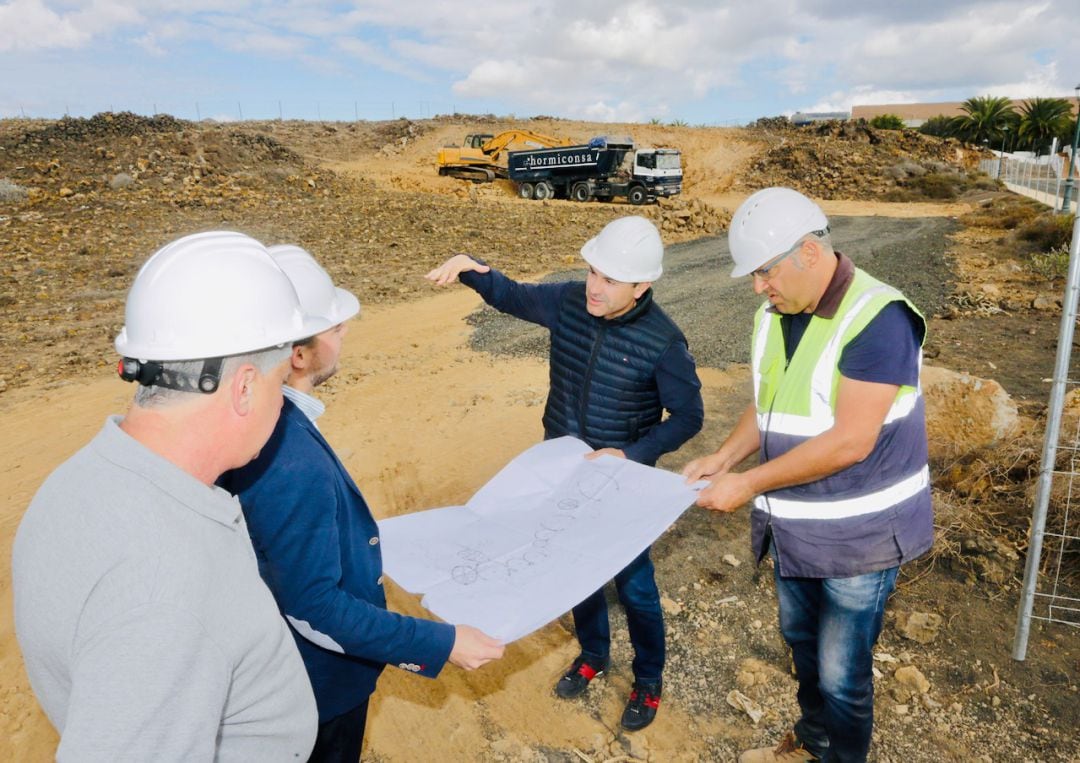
[(767, 272)]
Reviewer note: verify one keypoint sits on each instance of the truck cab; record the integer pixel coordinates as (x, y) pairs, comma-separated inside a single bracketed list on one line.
[(660, 169)]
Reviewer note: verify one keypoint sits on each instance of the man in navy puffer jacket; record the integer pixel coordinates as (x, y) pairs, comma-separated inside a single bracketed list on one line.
[(617, 363), (317, 543)]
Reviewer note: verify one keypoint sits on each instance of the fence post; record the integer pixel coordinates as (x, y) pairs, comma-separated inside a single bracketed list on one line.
[(1049, 456)]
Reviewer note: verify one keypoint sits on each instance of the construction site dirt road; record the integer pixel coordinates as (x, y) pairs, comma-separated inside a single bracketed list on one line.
[(436, 394)]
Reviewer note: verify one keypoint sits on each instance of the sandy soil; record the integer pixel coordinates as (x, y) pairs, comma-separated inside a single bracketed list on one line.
[(409, 389), (421, 420)]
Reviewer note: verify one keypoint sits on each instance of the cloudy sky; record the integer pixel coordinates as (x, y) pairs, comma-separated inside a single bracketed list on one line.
[(698, 61)]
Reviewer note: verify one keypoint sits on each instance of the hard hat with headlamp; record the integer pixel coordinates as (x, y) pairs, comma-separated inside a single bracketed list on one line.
[(208, 296)]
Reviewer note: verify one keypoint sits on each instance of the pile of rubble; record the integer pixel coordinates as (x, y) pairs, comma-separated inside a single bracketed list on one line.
[(848, 160), (681, 219)]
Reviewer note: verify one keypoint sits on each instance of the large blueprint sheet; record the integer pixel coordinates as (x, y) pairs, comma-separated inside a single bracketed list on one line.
[(539, 537)]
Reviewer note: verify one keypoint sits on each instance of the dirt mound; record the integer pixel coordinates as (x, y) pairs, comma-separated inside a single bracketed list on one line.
[(851, 160), (123, 123)]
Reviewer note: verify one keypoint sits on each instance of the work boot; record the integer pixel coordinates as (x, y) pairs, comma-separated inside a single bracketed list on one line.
[(790, 750), (577, 678), (642, 706)]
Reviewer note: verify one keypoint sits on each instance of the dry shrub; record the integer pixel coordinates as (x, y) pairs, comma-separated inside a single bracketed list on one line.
[(983, 504), (1045, 233), (982, 511), (932, 186), (1006, 212)]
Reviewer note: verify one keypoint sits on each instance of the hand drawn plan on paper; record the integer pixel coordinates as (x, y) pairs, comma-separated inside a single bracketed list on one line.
[(539, 537)]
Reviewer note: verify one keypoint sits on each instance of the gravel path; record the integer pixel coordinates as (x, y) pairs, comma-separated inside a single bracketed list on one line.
[(715, 311)]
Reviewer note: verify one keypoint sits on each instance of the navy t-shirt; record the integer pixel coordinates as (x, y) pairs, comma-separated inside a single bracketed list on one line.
[(886, 351)]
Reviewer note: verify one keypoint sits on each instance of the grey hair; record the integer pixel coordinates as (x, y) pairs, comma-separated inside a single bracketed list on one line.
[(264, 360)]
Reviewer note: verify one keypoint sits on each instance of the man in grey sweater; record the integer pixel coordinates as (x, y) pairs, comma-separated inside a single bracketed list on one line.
[(146, 630)]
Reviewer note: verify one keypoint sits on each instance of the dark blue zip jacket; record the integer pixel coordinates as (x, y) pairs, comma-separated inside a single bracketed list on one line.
[(318, 551), (610, 380)]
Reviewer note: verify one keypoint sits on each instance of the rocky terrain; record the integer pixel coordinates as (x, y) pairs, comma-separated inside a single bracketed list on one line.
[(84, 202)]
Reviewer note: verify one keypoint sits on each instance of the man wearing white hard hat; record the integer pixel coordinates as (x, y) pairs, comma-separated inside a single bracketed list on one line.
[(146, 630), (318, 544), (617, 363), (841, 496)]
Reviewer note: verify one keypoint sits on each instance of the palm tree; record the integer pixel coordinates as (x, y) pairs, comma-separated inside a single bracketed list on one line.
[(986, 119), (1041, 120)]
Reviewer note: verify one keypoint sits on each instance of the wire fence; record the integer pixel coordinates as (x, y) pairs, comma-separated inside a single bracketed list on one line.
[(1052, 585), (1042, 178)]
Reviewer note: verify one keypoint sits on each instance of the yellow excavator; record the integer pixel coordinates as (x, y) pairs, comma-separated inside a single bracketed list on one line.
[(482, 157)]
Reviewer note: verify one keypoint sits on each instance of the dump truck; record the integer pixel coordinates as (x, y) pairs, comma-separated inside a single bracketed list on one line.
[(604, 168), (482, 157)]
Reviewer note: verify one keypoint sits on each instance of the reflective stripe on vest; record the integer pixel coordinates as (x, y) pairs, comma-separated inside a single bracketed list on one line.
[(795, 400), (785, 508), (821, 418)]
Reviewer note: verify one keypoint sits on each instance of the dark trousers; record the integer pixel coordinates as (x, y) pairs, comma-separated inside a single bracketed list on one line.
[(340, 739), (636, 586), (831, 625)]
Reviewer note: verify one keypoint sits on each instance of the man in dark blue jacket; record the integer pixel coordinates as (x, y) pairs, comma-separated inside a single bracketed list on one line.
[(317, 543), (617, 363)]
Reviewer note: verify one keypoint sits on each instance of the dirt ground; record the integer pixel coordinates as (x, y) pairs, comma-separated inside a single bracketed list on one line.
[(422, 416)]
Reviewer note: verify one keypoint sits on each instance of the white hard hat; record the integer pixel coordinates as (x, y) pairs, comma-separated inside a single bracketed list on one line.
[(210, 295), (768, 224), (628, 249), (318, 295)]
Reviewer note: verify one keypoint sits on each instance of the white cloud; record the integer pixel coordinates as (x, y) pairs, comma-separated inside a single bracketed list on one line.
[(29, 25), (600, 59), (491, 77)]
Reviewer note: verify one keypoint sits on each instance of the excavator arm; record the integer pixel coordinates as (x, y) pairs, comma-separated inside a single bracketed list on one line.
[(487, 161)]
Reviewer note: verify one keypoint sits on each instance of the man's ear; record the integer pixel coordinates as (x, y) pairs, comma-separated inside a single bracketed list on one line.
[(812, 253), (242, 389), (300, 357), (641, 288)]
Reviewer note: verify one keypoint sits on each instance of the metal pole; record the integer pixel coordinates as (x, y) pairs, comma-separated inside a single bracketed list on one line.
[(1069, 182), (1001, 157), (1049, 456)]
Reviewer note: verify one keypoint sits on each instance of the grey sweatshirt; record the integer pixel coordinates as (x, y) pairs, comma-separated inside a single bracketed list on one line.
[(146, 630)]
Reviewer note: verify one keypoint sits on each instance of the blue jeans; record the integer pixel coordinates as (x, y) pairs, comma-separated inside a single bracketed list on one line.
[(832, 625), (636, 586)]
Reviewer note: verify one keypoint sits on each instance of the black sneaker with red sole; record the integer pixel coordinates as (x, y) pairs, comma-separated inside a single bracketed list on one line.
[(577, 678), (642, 706)]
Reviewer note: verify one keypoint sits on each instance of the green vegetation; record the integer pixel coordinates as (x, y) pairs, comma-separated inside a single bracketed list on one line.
[(1053, 265), (939, 126), (994, 122), (887, 122), (986, 119), (1043, 119)]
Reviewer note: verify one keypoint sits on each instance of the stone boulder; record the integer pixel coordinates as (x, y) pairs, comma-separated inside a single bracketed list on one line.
[(965, 413)]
